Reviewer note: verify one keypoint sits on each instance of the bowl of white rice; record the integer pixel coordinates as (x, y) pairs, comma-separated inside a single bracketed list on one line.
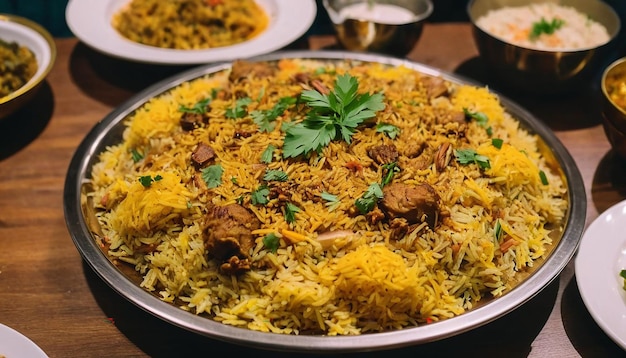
[(543, 46)]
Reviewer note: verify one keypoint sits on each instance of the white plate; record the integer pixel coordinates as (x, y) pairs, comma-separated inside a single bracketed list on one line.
[(600, 257), (90, 21), (15, 344)]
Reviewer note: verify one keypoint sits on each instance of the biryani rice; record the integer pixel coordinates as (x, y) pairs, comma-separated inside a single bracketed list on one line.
[(364, 282)]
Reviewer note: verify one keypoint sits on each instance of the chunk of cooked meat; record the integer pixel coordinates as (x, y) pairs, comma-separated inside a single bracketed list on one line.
[(383, 154), (435, 87), (228, 235), (202, 155), (190, 121), (415, 203), (245, 69)]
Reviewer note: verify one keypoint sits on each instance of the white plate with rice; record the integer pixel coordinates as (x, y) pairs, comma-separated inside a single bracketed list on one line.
[(601, 256), (90, 21)]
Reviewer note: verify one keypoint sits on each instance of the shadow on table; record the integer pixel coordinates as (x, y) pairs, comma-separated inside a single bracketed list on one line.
[(560, 112), (510, 336), (116, 79), (609, 182), (22, 127), (586, 336)]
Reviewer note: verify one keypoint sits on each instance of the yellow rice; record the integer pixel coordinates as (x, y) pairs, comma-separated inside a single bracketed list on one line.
[(190, 24), (365, 282)]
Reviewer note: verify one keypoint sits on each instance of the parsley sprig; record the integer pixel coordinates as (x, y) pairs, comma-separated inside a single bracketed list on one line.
[(545, 27), (335, 115)]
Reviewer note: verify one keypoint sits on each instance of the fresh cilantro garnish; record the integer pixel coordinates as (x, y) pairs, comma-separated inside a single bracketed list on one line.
[(497, 142), (264, 119), (332, 116), (497, 231), (199, 108), (268, 154), (259, 196), (366, 203), (136, 155), (212, 175), (480, 118), (271, 242), (290, 212), (234, 180), (389, 170), (240, 110), (389, 129), (545, 27), (275, 175), (543, 177), (332, 200), (469, 156), (147, 180)]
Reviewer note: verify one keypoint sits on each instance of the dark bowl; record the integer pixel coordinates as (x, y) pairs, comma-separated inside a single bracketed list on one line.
[(363, 29), (614, 113), (536, 71)]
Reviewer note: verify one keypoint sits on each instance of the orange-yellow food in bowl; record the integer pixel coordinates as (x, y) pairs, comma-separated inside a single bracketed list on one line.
[(616, 88), (17, 67), (190, 24)]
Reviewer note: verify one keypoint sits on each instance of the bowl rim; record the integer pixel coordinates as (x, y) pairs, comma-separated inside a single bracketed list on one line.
[(34, 29), (547, 272), (613, 65), (335, 19), (612, 36)]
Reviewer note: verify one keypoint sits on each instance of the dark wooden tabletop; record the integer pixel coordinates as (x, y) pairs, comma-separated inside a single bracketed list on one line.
[(50, 295)]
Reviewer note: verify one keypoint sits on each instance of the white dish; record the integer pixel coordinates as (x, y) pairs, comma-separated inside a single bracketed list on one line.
[(601, 255), (15, 344), (90, 21)]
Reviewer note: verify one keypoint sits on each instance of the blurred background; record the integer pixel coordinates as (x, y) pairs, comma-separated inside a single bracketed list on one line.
[(51, 14)]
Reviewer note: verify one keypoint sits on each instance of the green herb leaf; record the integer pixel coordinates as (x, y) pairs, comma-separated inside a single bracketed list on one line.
[(259, 196), (332, 116), (497, 142), (332, 200), (497, 231), (469, 156), (389, 170), (290, 212), (147, 180), (368, 201), (275, 175), (271, 242), (212, 175), (264, 119), (622, 273), (480, 118), (545, 27), (389, 129), (268, 154), (136, 155), (543, 177), (199, 108), (240, 110)]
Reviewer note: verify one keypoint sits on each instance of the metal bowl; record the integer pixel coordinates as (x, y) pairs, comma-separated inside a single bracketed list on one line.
[(31, 35), (108, 131), (386, 26), (613, 113), (540, 71)]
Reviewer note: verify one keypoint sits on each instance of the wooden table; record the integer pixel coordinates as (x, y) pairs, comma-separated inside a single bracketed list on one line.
[(50, 295)]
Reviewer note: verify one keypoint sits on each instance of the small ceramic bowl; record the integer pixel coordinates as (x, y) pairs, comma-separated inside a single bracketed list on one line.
[(542, 71), (613, 105), (38, 40), (390, 27)]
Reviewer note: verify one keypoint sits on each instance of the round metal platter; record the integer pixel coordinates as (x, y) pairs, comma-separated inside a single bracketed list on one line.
[(109, 131)]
